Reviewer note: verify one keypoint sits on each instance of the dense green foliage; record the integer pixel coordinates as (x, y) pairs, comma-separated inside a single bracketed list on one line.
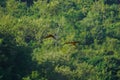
[(25, 53)]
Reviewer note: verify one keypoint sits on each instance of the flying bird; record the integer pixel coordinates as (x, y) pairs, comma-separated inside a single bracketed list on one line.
[(50, 36), (74, 43)]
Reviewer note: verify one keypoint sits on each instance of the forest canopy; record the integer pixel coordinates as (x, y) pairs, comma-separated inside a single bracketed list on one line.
[(59, 39)]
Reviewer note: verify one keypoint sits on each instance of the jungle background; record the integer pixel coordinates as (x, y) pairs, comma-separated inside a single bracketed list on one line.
[(59, 39)]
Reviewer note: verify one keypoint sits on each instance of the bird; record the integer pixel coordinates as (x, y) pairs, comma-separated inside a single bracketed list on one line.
[(74, 43), (50, 36)]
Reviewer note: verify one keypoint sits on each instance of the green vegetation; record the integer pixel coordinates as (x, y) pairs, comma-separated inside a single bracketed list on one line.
[(59, 39)]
